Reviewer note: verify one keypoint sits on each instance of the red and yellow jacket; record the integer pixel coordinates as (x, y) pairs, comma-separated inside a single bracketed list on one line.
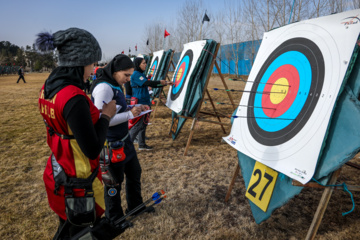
[(67, 151)]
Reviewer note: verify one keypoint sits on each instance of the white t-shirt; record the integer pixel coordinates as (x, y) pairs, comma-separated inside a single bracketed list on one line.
[(103, 93)]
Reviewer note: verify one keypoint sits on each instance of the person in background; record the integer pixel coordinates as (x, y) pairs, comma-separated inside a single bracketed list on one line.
[(139, 85), (96, 67), (76, 132), (128, 92), (21, 74), (87, 85), (122, 154)]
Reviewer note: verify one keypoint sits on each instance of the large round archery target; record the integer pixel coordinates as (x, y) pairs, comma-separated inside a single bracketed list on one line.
[(154, 67), (300, 62), (181, 74), (290, 139)]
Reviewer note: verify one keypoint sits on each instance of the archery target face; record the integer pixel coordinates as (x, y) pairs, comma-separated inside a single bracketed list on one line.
[(293, 86), (290, 82), (154, 67), (155, 61), (182, 74)]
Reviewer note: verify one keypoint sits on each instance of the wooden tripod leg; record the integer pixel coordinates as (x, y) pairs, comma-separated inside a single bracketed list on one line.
[(232, 182), (154, 112), (212, 104), (190, 136), (322, 206)]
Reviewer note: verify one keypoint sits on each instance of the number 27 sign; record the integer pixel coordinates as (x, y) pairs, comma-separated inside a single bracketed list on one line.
[(261, 185)]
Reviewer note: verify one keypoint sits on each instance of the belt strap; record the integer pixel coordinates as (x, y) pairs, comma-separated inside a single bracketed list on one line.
[(52, 131), (123, 139)]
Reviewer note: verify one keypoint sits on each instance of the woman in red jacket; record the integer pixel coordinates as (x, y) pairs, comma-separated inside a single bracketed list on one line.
[(76, 131)]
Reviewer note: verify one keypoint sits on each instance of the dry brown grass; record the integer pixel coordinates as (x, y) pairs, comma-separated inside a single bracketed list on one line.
[(195, 184)]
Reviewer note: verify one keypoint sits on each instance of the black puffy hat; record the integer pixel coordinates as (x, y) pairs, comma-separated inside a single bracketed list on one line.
[(137, 62), (76, 47)]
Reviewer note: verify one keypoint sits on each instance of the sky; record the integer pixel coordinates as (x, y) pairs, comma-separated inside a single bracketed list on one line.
[(116, 24)]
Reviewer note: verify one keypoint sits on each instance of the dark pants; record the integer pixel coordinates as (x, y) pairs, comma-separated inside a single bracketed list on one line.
[(21, 77), (132, 170), (139, 131)]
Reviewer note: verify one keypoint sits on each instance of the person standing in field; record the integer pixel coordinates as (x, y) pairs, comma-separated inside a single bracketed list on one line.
[(122, 154), (76, 133), (21, 74), (140, 91)]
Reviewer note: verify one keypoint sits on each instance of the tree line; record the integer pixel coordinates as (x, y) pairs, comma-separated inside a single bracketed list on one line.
[(236, 21), (13, 55)]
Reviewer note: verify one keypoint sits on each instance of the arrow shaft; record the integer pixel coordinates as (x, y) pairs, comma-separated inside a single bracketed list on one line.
[(246, 106), (264, 118), (233, 90), (138, 208), (276, 84)]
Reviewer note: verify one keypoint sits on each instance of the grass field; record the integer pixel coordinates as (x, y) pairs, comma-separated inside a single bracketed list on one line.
[(195, 184)]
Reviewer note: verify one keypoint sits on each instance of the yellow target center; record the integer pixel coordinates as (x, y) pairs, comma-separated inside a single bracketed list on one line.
[(279, 90), (179, 74)]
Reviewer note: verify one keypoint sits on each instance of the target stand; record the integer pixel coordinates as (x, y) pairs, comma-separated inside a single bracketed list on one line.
[(325, 198), (301, 116), (199, 115), (158, 98)]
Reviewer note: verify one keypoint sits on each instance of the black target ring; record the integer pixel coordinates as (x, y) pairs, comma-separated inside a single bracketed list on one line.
[(316, 60)]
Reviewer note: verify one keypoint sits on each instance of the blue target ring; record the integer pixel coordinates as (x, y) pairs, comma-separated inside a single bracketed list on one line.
[(185, 62), (181, 73), (302, 64), (153, 68), (306, 58)]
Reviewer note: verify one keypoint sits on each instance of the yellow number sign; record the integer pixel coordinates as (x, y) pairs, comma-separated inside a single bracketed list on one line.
[(174, 125), (261, 185)]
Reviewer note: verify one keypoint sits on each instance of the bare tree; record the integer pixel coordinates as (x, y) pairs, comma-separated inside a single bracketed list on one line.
[(154, 36), (172, 41), (337, 6), (318, 8), (355, 4), (299, 10), (253, 32), (238, 21), (189, 21), (234, 24), (218, 31), (289, 11)]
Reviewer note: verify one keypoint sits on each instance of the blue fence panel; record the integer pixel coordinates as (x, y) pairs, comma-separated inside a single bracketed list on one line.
[(245, 54), (175, 60), (232, 68)]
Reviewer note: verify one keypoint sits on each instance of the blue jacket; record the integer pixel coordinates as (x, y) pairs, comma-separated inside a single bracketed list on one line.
[(140, 91)]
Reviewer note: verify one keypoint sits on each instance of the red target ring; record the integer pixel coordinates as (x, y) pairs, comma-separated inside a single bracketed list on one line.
[(153, 69), (280, 91), (180, 74)]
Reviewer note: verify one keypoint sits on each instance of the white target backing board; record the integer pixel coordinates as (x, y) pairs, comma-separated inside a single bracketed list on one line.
[(155, 62), (184, 68), (292, 89)]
